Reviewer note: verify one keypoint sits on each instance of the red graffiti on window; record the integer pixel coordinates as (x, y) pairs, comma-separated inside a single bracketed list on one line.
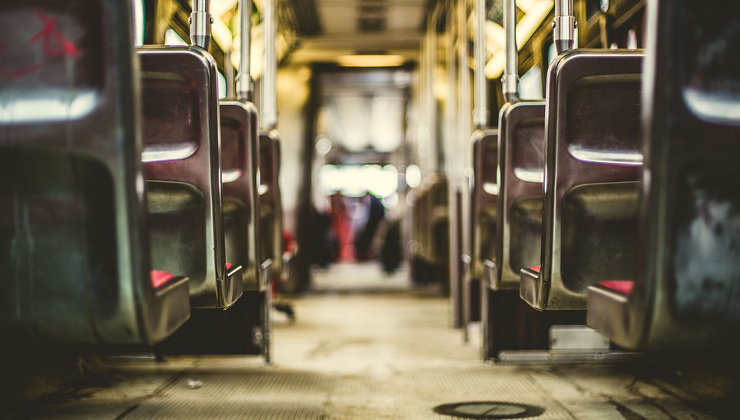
[(49, 32), (54, 44)]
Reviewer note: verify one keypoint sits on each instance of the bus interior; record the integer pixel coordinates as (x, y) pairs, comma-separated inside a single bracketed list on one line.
[(369, 209)]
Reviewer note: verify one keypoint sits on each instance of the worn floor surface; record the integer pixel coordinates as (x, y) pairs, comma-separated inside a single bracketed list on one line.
[(389, 354)]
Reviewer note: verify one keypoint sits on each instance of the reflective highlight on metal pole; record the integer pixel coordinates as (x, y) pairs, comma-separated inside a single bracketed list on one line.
[(480, 110), (200, 24), (510, 80), (269, 91), (564, 25), (244, 82)]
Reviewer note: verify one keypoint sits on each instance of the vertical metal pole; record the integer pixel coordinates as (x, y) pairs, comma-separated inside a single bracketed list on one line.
[(480, 109), (267, 320), (451, 146), (244, 82), (436, 151), (200, 24), (424, 97), (269, 92), (229, 75), (465, 113), (269, 123), (464, 166), (510, 80), (421, 86), (564, 25), (451, 100), (429, 97)]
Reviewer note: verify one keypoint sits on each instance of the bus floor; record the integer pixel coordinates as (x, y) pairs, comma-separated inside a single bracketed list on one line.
[(362, 347)]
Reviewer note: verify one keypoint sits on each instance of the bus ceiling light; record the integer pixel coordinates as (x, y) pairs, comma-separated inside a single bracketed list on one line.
[(370, 60)]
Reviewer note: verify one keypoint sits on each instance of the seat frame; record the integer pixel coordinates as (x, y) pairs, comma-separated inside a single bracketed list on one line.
[(545, 289), (483, 142), (240, 183), (270, 202), (501, 275), (219, 287)]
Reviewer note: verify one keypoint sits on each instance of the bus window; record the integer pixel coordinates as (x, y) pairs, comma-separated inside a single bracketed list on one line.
[(530, 85), (552, 52), (139, 17), (172, 38), (221, 86)]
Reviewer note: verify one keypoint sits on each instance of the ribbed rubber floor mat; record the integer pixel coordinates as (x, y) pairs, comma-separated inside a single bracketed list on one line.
[(238, 393), (367, 356), (227, 389)]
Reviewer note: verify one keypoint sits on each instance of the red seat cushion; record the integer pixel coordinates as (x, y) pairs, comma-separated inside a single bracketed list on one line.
[(159, 278), (535, 268), (620, 286)]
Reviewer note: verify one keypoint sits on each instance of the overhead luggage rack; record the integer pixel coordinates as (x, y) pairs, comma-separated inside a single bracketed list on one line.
[(74, 251)]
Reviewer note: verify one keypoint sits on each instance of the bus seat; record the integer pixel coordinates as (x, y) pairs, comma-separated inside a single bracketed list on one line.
[(420, 257), (437, 224), (271, 224), (509, 323), (485, 197), (426, 224), (521, 169), (431, 232), (159, 278), (239, 175), (182, 168), (589, 219), (624, 287), (231, 332), (685, 291), (74, 255)]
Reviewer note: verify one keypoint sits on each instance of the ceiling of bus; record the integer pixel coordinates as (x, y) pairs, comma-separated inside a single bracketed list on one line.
[(360, 121), (363, 111), (330, 28)]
